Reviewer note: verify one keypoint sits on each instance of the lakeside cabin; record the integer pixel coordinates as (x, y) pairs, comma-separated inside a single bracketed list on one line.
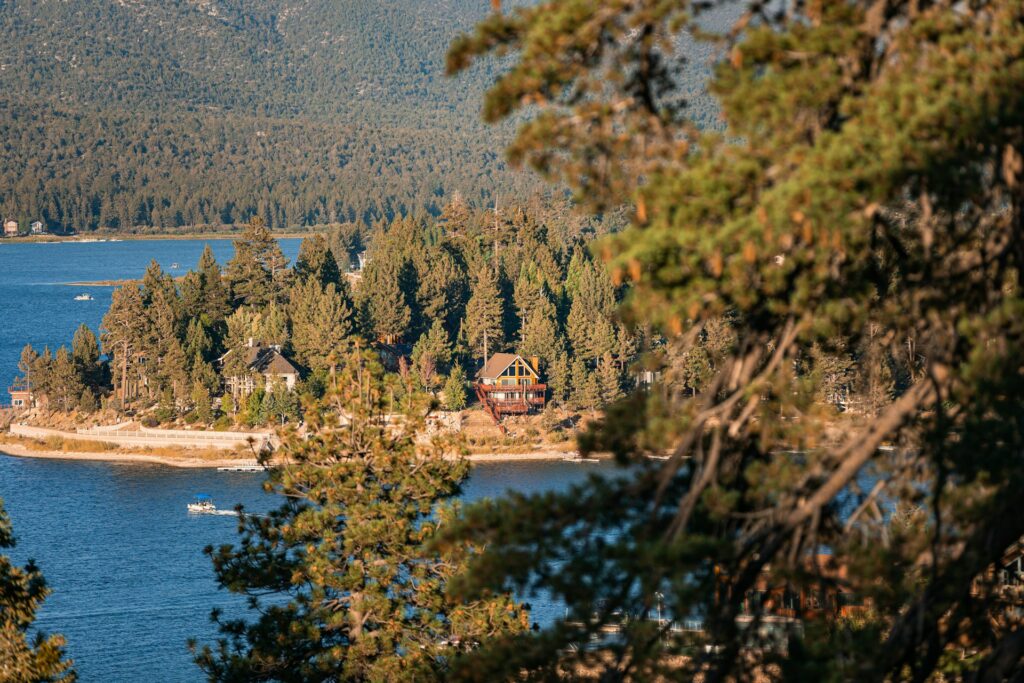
[(261, 361), (10, 228), (509, 384)]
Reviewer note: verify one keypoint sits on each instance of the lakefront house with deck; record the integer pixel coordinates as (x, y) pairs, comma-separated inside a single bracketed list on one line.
[(509, 384)]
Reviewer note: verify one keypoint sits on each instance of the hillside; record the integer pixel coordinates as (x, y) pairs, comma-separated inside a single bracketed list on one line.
[(182, 112)]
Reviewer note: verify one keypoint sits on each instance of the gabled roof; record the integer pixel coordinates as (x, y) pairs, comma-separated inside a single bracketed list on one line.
[(265, 360), (499, 362), (272, 362)]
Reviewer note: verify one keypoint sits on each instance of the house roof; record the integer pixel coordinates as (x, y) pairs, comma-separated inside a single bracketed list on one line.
[(499, 362), (271, 361), (266, 360)]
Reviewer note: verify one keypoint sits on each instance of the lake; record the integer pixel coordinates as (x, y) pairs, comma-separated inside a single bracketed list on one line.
[(124, 559)]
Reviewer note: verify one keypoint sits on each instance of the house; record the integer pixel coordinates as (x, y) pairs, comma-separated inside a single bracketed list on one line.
[(21, 395), (261, 360), (36, 228), (509, 384), (10, 228)]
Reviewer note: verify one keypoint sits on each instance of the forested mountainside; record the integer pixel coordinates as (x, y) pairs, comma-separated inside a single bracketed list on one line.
[(128, 114)]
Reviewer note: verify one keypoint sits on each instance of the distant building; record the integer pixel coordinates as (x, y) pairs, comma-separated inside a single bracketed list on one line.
[(21, 395), (509, 384), (36, 228), (10, 228), (266, 365)]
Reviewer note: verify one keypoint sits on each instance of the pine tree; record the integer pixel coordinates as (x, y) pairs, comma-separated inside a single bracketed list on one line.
[(610, 380), (85, 352), (87, 401), (385, 308), (27, 363), (316, 261), (589, 325), (540, 335), (257, 273), (352, 591), (121, 335), (22, 591), (455, 389), (272, 325), (321, 322), (65, 385), (200, 398), (433, 344), (216, 303), (484, 314), (837, 191), (559, 377)]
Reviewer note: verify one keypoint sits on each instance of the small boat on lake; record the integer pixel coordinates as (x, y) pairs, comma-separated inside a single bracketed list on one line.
[(175, 266), (84, 297), (203, 504)]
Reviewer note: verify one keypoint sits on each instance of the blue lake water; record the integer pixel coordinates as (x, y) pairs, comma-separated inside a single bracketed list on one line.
[(39, 307), (124, 559)]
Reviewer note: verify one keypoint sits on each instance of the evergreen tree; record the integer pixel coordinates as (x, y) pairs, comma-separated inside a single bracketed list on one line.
[(385, 309), (87, 401), (272, 326), (256, 408), (156, 284), (433, 345), (227, 404), (610, 380), (589, 325), (85, 352), (216, 303), (316, 262), (22, 590), (257, 274), (345, 241), (27, 364), (200, 397), (64, 386), (838, 191), (442, 286), (540, 336), (455, 389), (484, 314), (559, 377), (354, 592), (321, 321)]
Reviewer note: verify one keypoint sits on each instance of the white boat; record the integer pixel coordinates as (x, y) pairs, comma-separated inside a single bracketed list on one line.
[(574, 456), (175, 266), (203, 504), (83, 297)]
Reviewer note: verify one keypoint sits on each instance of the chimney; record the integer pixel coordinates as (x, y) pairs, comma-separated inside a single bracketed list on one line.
[(535, 363)]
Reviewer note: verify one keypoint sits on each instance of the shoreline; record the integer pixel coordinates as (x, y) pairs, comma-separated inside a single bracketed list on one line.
[(138, 237), (185, 462), (19, 451)]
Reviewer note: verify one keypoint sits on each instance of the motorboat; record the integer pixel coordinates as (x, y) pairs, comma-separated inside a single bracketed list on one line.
[(203, 504), (84, 297), (175, 266)]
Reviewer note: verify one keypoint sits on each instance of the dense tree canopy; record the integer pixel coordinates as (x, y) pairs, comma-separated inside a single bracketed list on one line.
[(356, 594), (865, 199)]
